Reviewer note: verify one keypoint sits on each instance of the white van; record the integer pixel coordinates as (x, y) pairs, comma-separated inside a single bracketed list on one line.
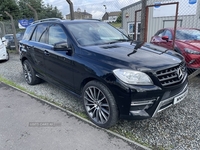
[(4, 55)]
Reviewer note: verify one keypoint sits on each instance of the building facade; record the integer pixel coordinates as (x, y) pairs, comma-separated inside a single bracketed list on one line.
[(161, 16), (111, 17), (79, 15)]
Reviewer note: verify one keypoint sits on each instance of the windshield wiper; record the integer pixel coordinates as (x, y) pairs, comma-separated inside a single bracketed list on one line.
[(138, 45), (118, 40)]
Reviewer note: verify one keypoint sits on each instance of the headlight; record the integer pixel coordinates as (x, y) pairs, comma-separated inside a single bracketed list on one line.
[(133, 77), (190, 51)]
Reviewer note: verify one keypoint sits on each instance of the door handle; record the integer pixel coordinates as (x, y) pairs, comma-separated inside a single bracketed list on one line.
[(46, 52)]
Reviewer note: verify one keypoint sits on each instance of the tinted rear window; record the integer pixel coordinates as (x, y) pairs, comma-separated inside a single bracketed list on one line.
[(28, 32)]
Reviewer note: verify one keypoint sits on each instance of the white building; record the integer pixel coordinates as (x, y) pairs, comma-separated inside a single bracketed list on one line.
[(162, 16), (111, 16)]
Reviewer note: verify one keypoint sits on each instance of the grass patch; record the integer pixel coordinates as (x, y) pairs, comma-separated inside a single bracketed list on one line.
[(117, 25), (8, 82), (13, 51)]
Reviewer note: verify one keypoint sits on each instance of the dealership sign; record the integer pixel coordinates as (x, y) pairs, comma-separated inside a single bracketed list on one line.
[(23, 23), (186, 7)]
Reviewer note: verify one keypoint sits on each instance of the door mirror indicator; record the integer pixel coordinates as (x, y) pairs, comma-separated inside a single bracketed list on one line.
[(166, 38)]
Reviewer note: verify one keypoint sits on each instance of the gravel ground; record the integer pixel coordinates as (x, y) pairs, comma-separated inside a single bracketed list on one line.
[(176, 128)]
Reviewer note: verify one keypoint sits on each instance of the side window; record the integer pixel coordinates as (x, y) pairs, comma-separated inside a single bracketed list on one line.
[(169, 34), (43, 38), (56, 34), (28, 32), (39, 31), (160, 33)]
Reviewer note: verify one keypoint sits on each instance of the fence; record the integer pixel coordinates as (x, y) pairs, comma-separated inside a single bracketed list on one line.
[(163, 27)]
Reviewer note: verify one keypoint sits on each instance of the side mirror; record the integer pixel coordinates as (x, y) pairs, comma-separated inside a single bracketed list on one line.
[(166, 38), (63, 46), (3, 39)]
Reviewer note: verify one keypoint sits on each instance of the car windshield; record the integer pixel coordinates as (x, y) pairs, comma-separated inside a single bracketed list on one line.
[(9, 37), (95, 33), (188, 34), (18, 35)]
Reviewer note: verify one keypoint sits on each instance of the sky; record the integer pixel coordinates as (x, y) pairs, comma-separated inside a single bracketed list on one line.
[(94, 7)]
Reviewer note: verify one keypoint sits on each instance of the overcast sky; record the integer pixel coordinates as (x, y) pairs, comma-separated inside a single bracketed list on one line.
[(94, 7)]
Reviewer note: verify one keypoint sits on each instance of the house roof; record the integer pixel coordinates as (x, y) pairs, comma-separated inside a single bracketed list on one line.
[(134, 4), (114, 13), (83, 13)]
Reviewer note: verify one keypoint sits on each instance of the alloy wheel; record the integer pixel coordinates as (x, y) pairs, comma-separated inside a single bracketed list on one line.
[(27, 73), (96, 105)]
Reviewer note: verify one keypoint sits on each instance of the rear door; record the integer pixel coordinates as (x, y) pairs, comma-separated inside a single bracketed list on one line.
[(36, 47)]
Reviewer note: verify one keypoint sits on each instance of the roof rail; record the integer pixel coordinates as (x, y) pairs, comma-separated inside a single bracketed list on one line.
[(47, 19), (93, 19)]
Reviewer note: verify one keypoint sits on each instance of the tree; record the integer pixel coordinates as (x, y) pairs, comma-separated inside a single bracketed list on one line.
[(25, 10), (20, 10), (50, 12), (11, 7), (119, 18), (42, 10)]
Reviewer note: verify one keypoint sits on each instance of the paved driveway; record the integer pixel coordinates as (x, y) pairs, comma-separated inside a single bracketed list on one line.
[(30, 124)]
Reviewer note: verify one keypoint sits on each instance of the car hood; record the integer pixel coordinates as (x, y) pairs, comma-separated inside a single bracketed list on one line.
[(147, 57), (191, 44)]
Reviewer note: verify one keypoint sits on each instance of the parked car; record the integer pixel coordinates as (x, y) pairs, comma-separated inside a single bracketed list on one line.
[(11, 41), (187, 43), (114, 77), (19, 35), (4, 55), (5, 42)]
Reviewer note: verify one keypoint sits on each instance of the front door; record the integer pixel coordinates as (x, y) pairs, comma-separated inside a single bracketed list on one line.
[(58, 65)]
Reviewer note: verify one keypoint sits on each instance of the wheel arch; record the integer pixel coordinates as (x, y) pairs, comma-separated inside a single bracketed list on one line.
[(23, 59), (87, 80)]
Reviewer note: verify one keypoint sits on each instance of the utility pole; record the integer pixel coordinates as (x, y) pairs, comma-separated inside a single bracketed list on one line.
[(143, 20), (71, 9), (14, 30)]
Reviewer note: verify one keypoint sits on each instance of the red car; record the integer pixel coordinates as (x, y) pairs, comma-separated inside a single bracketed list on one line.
[(187, 43)]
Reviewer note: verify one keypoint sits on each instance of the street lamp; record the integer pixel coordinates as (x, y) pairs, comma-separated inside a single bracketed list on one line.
[(105, 8)]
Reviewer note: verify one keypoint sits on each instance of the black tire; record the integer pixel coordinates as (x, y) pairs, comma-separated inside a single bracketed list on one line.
[(99, 104), (29, 73)]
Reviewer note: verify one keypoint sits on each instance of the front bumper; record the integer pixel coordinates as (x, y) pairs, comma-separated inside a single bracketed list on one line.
[(146, 102), (147, 109), (164, 104)]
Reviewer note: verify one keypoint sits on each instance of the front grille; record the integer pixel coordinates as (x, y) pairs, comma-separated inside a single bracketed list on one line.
[(171, 76)]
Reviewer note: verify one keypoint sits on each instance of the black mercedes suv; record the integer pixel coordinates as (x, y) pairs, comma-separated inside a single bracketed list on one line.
[(115, 77)]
